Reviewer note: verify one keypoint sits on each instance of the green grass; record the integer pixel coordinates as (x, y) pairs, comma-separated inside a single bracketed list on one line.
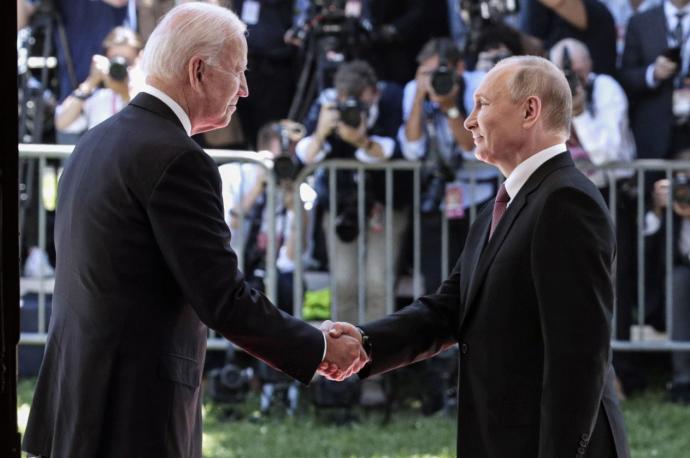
[(655, 428)]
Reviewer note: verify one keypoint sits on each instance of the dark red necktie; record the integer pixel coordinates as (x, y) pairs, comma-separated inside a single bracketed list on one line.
[(500, 205)]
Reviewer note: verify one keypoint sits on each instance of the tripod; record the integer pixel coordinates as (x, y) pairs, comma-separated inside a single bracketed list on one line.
[(35, 94), (333, 39)]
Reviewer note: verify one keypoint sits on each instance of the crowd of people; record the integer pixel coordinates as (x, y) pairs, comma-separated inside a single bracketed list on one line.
[(396, 82)]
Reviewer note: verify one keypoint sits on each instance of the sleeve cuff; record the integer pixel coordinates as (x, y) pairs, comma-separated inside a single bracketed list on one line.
[(649, 77), (411, 150), (301, 151), (387, 144), (325, 346), (652, 223)]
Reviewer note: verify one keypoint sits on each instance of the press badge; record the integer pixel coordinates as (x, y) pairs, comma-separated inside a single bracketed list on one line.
[(454, 202), (250, 12)]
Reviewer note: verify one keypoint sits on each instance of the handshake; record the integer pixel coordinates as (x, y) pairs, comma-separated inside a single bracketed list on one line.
[(345, 354)]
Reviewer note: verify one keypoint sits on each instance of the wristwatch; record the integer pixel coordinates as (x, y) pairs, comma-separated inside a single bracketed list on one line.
[(453, 113)]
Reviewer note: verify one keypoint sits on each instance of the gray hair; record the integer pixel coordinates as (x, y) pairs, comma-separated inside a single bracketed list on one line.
[(536, 76), (187, 30)]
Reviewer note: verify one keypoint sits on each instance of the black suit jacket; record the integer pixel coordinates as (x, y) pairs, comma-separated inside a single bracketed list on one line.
[(531, 309), (651, 109), (144, 265)]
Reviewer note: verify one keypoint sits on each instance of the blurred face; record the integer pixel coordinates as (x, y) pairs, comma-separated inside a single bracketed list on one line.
[(496, 122), (427, 69), (224, 84)]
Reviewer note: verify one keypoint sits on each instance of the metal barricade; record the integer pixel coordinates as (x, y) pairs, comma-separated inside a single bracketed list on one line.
[(43, 285), (360, 168), (639, 169)]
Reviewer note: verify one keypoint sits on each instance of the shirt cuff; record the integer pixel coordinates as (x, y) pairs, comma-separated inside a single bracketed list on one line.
[(652, 223), (303, 145), (649, 77), (412, 150), (387, 144), (325, 346)]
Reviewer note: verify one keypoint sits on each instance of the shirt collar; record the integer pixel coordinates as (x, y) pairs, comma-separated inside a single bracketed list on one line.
[(671, 10), (174, 106), (526, 168)]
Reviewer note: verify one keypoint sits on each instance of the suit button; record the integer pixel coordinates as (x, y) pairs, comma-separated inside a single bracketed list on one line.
[(584, 436), (581, 451), (464, 348), (583, 443)]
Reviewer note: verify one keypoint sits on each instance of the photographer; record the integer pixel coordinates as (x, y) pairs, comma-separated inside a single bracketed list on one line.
[(358, 120), (244, 193), (654, 72), (655, 229), (435, 105), (108, 87)]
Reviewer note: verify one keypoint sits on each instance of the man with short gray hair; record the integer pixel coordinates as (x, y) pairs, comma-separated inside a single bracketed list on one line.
[(144, 263), (530, 300)]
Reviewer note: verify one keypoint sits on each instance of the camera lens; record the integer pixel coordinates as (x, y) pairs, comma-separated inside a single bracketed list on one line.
[(350, 112), (442, 80), (118, 68)]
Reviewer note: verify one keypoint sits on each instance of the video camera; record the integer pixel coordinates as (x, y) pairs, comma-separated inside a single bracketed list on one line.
[(477, 13)]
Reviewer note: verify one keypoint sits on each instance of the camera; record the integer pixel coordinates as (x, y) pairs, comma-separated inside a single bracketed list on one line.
[(680, 188), (570, 75), (351, 110), (435, 188), (118, 68), (442, 79)]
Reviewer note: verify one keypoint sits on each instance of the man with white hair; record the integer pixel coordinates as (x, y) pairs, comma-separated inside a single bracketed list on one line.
[(530, 300), (144, 263)]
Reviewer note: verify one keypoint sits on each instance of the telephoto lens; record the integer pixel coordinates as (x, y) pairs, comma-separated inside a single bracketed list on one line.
[(442, 80)]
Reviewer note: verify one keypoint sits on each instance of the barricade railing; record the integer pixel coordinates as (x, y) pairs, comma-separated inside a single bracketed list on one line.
[(43, 285)]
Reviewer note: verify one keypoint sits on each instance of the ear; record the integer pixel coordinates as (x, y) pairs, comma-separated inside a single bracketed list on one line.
[(196, 72), (531, 111)]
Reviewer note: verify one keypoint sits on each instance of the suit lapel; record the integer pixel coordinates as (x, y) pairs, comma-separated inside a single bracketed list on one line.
[(483, 258)]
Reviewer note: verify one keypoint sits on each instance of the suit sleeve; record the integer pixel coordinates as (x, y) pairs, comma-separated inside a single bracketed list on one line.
[(419, 331), (573, 250), (633, 67), (186, 214)]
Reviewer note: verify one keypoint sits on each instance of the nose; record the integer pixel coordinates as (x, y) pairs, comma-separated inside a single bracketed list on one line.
[(244, 88), (471, 120)]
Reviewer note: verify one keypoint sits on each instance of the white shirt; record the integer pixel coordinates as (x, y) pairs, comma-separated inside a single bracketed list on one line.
[(605, 134), (174, 106), (526, 168)]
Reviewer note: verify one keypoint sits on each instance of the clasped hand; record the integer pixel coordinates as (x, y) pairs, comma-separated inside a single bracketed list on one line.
[(344, 355)]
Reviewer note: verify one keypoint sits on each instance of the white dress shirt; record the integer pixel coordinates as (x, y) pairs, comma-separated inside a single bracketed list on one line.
[(526, 168), (174, 106), (604, 133)]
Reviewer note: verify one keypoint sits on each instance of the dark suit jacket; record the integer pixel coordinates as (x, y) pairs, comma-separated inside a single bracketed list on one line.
[(144, 265), (531, 310), (651, 110)]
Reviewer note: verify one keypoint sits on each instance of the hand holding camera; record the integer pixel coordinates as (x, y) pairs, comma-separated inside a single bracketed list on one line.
[(679, 188), (665, 67), (328, 120)]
